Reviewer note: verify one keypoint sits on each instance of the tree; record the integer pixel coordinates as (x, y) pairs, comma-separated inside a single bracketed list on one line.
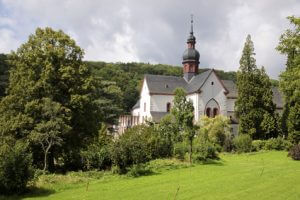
[(183, 111), (289, 82), (49, 66), (52, 125), (254, 96), (269, 123)]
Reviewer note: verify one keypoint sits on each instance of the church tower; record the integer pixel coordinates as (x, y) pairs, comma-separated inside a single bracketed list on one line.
[(190, 57)]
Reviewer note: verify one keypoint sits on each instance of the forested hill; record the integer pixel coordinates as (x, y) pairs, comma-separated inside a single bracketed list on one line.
[(128, 76)]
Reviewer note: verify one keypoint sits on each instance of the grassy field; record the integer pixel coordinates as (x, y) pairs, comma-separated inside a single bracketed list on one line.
[(268, 175)]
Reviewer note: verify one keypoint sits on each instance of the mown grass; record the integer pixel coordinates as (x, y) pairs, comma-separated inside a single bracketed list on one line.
[(264, 175)]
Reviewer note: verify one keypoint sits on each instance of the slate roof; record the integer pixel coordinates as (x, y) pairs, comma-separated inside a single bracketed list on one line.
[(197, 81), (231, 87), (164, 84)]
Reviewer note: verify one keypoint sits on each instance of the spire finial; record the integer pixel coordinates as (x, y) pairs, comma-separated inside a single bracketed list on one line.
[(192, 24)]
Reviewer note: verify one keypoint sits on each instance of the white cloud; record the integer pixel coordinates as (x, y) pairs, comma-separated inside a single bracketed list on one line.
[(155, 31)]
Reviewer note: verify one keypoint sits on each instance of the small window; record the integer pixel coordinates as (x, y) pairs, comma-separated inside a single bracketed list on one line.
[(208, 112), (167, 86), (212, 83), (168, 107), (144, 107)]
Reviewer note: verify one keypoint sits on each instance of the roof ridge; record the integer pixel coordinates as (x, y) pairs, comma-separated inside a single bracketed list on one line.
[(162, 75)]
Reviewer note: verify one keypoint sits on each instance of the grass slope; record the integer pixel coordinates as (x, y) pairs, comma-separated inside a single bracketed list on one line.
[(269, 175)]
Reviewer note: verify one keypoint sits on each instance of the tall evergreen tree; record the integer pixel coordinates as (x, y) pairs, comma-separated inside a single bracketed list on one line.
[(289, 45), (254, 106)]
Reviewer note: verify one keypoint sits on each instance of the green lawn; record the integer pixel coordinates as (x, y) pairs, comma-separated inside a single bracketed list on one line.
[(269, 175)]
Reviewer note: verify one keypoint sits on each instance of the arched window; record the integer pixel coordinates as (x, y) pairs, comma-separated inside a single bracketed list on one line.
[(168, 107), (208, 112), (215, 112), (212, 108)]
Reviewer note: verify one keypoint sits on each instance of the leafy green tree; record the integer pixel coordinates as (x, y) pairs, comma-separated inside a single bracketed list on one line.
[(49, 66), (289, 45), (51, 126), (183, 111), (254, 97)]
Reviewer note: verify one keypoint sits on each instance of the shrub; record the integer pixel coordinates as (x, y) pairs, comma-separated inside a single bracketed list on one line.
[(258, 145), (96, 157), (15, 168), (139, 170), (242, 143), (277, 144), (204, 149), (217, 128), (131, 148), (180, 149), (228, 143), (295, 152)]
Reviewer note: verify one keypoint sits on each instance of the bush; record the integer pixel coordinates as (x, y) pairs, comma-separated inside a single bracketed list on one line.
[(15, 168), (131, 148), (258, 145), (204, 148), (277, 144), (139, 170), (242, 143), (217, 128), (204, 151), (96, 157), (180, 149), (295, 152), (228, 143)]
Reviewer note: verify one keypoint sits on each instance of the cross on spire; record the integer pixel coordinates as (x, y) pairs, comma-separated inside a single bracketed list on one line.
[(192, 24)]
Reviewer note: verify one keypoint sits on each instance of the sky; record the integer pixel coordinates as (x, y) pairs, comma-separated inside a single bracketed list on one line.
[(155, 31)]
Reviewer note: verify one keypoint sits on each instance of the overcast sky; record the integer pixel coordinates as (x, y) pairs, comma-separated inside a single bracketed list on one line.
[(155, 31)]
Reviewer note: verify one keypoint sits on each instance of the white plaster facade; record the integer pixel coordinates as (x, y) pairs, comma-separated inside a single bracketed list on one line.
[(213, 95)]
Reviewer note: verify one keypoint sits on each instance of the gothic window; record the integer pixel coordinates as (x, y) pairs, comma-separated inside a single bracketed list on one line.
[(208, 112), (212, 107), (215, 112), (168, 107), (144, 107)]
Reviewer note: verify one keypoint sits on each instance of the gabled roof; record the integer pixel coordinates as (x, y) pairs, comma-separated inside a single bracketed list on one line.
[(197, 81), (231, 88), (159, 84)]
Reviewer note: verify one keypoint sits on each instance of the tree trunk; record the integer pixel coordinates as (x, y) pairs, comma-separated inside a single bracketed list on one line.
[(191, 151), (46, 155)]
